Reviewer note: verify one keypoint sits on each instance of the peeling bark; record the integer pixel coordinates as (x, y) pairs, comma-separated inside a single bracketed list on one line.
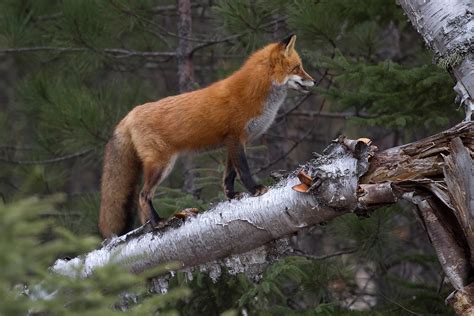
[(436, 175), (450, 253), (459, 171)]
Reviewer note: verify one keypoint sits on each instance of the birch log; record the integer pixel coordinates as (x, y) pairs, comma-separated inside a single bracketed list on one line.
[(348, 177), (448, 28), (436, 174), (239, 225)]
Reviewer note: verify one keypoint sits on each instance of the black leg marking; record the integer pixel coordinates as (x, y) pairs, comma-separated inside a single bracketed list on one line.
[(229, 179), (237, 165), (154, 216), (243, 170)]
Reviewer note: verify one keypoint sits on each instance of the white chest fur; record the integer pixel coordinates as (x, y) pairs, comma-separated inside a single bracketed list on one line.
[(256, 126)]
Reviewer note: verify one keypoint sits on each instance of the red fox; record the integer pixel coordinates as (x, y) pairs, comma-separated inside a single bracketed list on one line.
[(227, 113)]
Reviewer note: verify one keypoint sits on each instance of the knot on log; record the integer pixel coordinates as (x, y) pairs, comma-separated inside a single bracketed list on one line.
[(333, 177)]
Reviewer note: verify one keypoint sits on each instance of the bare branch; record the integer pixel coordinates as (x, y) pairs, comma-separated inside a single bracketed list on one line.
[(113, 52), (331, 255), (171, 7), (48, 161), (313, 114)]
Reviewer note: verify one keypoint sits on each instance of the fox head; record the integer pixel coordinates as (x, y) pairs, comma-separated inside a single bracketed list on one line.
[(288, 69)]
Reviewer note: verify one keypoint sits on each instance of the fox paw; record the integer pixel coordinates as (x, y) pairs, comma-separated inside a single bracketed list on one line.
[(187, 212), (235, 195), (259, 190), (149, 226)]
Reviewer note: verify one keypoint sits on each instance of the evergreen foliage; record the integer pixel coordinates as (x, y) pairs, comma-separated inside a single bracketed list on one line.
[(87, 69), (29, 244)]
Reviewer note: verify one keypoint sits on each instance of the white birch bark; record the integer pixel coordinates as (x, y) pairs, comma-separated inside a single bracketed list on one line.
[(237, 226), (448, 28), (229, 228)]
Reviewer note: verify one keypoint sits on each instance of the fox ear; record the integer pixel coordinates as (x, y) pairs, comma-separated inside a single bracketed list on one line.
[(289, 44)]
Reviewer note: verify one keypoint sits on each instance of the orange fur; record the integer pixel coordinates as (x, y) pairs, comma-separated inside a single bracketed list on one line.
[(155, 133)]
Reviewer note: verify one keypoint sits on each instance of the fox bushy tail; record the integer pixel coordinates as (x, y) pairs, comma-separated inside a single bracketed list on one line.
[(120, 176)]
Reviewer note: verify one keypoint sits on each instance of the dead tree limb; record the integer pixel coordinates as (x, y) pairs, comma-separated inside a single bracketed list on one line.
[(435, 174)]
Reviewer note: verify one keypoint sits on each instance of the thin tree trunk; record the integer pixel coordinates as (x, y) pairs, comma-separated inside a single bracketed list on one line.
[(186, 77), (183, 53), (447, 27)]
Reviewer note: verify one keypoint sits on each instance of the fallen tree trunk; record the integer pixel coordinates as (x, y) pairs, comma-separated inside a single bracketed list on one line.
[(435, 174)]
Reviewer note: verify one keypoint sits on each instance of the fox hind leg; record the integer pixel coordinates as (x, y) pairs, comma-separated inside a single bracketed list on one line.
[(153, 174)]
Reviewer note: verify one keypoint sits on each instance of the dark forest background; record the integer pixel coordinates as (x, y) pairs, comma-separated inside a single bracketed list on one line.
[(70, 70)]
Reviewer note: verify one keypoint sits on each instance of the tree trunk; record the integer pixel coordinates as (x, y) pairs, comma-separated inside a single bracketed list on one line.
[(447, 27), (186, 77), (183, 53), (435, 174)]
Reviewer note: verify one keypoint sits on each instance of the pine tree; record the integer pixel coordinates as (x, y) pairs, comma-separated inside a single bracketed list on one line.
[(27, 287)]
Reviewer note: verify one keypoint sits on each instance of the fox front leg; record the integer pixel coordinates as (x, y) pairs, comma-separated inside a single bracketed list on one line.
[(237, 165), (229, 180)]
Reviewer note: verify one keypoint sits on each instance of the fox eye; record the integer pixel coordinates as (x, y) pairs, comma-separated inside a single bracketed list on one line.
[(296, 68)]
